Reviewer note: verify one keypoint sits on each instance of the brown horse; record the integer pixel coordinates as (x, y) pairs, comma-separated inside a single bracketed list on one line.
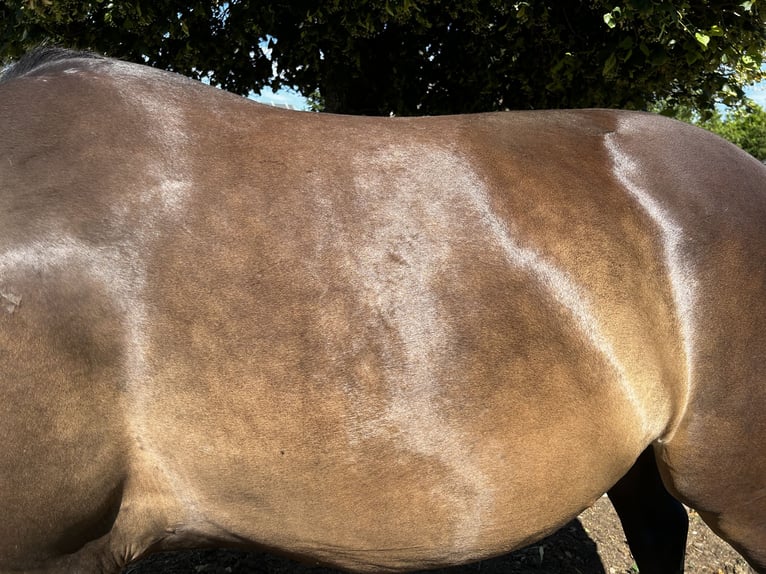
[(380, 344)]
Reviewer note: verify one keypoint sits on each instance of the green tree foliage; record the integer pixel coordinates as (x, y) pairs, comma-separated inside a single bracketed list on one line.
[(746, 128), (424, 56), (195, 37)]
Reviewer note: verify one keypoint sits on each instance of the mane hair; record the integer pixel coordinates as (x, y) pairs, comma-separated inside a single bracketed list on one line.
[(39, 57)]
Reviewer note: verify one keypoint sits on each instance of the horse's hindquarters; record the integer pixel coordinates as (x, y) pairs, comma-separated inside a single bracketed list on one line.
[(715, 459)]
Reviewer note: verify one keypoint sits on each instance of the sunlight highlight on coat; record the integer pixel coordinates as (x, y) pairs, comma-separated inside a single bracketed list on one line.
[(562, 289), (163, 199), (171, 169), (118, 272), (682, 281)]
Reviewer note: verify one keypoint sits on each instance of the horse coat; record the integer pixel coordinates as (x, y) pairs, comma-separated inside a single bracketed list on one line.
[(383, 344)]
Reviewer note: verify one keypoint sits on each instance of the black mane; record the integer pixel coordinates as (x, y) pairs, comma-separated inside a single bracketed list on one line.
[(41, 56)]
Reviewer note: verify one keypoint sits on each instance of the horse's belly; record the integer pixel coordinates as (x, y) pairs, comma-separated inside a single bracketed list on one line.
[(383, 493)]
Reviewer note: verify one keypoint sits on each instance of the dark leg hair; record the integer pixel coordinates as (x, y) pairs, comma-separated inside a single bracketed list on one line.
[(655, 523)]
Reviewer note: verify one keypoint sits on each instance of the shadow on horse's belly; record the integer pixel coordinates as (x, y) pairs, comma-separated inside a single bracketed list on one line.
[(568, 550)]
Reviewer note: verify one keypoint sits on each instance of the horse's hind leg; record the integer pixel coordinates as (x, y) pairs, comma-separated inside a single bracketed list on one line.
[(716, 466), (714, 460), (654, 522)]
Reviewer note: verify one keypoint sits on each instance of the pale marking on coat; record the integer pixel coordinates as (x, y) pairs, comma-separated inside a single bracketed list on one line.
[(417, 212), (410, 194), (9, 301)]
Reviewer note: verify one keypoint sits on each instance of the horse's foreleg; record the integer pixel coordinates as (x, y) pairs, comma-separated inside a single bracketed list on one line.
[(654, 522)]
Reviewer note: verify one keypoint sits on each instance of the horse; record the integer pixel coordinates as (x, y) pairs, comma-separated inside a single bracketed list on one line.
[(380, 344)]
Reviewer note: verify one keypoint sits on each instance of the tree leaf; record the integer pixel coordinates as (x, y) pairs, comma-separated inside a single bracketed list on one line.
[(703, 39)]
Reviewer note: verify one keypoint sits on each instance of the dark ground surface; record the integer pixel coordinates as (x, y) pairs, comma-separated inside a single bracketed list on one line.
[(593, 544)]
